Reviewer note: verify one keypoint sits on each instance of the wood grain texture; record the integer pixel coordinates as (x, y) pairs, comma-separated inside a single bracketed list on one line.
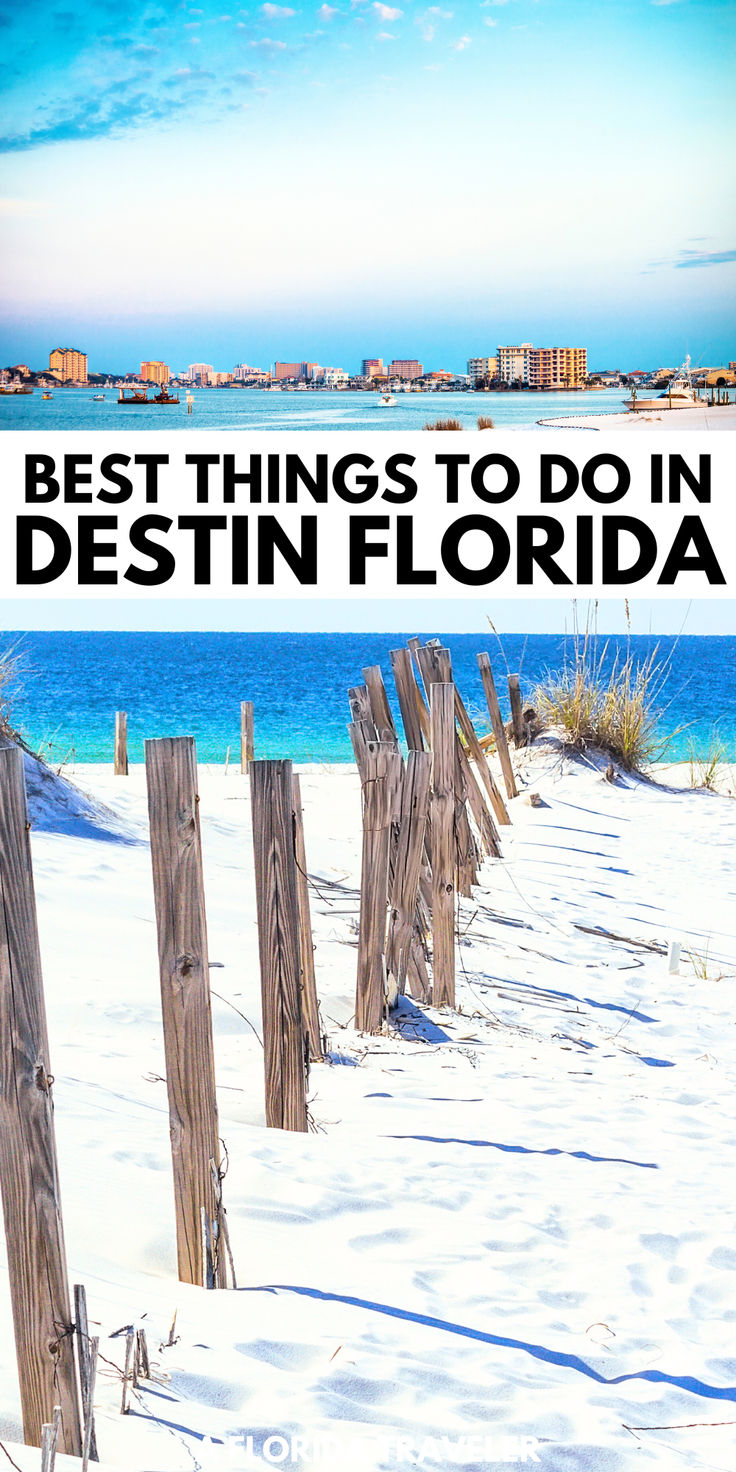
[(272, 802), (479, 757), (407, 693), (247, 738), (178, 886), (310, 1004), (371, 981), (442, 716), (121, 744), (360, 706), (39, 1288), (86, 1361), (497, 725), (380, 708), (409, 854), (517, 718)]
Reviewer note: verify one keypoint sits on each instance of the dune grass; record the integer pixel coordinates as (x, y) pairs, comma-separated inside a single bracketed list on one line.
[(485, 422), (604, 706), (444, 424), (10, 671), (706, 764)]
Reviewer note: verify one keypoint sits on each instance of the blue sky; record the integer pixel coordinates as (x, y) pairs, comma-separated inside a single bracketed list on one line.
[(418, 615), (225, 183)]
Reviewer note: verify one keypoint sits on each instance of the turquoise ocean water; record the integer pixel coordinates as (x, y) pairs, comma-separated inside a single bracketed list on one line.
[(74, 408), (193, 683)]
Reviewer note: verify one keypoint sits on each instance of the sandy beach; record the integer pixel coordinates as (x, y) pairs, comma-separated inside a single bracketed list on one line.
[(509, 1220), (722, 416)]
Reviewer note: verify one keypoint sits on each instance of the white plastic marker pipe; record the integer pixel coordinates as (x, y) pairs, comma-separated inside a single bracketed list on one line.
[(673, 957)]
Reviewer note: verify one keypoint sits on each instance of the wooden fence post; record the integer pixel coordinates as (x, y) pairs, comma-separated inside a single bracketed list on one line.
[(247, 747), (408, 696), (379, 706), (517, 719), (376, 786), (310, 1003), (272, 803), (176, 853), (121, 743), (497, 725), (479, 757), (409, 854), (442, 718), (39, 1288), (87, 1362)]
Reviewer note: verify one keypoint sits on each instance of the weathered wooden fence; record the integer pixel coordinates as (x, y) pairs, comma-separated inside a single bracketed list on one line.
[(428, 823), (176, 854), (277, 901), (37, 1270)]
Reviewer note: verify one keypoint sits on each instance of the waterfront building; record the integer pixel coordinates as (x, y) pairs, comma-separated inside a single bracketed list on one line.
[(557, 367), (68, 363), (300, 371), (241, 371), (372, 368), (482, 368), (405, 368), (201, 373), (513, 363), (154, 371)]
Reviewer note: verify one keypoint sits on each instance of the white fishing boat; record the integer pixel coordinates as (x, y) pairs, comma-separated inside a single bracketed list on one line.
[(679, 394), (386, 401), (98, 398)]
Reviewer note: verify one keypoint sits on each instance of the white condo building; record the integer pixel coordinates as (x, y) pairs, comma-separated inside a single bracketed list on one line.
[(514, 363)]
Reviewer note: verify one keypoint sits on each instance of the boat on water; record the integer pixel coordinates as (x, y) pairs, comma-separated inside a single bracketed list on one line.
[(98, 398), (15, 388), (387, 401), (47, 396), (679, 394), (140, 396)]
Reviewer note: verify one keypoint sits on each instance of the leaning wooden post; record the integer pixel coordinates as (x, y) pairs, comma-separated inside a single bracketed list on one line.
[(408, 696), (517, 719), (272, 802), (39, 1288), (370, 992), (442, 718), (87, 1365), (409, 854), (178, 886), (497, 725), (247, 747), (310, 1004), (121, 743)]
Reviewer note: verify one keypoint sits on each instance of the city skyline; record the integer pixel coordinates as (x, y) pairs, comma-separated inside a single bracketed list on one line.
[(409, 175)]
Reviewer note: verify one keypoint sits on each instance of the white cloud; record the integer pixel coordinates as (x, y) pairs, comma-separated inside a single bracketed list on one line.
[(277, 12), (268, 45), (385, 36), (326, 12), (490, 20), (462, 43), (386, 12)]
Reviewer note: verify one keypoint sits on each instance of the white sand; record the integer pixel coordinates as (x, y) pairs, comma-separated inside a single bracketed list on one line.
[(513, 1220), (722, 416)]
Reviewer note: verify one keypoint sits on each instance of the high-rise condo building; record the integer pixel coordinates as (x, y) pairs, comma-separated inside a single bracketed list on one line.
[(154, 371), (405, 368), (482, 368), (513, 363), (201, 372), (294, 370), (543, 367), (69, 363), (372, 368), (558, 367)]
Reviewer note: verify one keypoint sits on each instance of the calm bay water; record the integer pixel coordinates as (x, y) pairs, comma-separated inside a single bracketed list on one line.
[(74, 408), (192, 684)]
